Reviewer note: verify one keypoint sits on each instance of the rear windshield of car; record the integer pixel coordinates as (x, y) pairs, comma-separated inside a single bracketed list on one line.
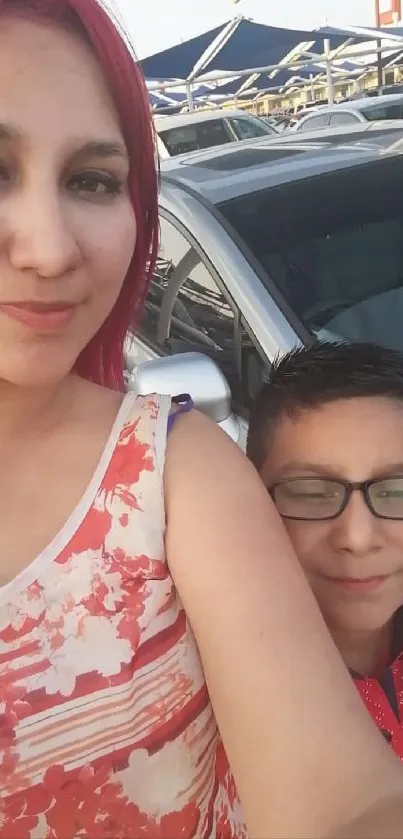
[(384, 111), (332, 248), (196, 136)]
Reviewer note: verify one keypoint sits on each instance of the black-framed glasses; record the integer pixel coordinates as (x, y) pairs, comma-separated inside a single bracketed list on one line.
[(321, 499)]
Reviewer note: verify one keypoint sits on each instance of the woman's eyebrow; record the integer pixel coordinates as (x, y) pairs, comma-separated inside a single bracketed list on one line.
[(101, 148), (9, 133), (92, 148)]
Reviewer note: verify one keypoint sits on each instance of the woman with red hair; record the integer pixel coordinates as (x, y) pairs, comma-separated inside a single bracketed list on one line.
[(153, 618)]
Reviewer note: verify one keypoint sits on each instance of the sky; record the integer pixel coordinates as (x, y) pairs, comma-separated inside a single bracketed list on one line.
[(163, 23)]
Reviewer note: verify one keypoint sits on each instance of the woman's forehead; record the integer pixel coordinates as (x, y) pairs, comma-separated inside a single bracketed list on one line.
[(50, 74)]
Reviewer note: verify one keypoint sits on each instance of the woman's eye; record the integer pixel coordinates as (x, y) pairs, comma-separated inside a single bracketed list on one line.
[(97, 184), (4, 174)]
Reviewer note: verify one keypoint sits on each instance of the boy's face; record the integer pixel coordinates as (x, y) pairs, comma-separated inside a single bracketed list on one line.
[(354, 562)]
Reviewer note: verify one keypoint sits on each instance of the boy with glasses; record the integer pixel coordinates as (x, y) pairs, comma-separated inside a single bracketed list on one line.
[(326, 435)]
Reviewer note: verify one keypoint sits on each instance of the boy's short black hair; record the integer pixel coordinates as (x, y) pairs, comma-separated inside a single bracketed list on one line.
[(313, 376)]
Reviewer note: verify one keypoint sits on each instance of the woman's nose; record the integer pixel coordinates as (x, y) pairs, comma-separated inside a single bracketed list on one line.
[(41, 238)]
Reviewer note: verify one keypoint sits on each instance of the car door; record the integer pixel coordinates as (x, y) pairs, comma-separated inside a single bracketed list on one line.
[(188, 309)]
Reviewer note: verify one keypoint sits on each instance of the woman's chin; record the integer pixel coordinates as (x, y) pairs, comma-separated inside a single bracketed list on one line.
[(38, 371)]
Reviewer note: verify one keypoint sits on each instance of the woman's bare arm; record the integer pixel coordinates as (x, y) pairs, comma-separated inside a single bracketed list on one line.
[(304, 751), (384, 820)]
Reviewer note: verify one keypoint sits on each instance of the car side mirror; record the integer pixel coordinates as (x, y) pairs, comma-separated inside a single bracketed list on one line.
[(192, 373)]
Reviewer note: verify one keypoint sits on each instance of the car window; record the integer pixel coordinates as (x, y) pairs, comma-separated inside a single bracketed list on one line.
[(343, 119), (319, 121), (340, 266), (196, 136), (187, 311), (173, 248), (247, 128), (254, 368), (384, 111)]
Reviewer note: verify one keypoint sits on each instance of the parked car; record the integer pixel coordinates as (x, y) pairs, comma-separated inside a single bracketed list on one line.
[(281, 122), (307, 106), (272, 121), (350, 113), (387, 90), (264, 247), (357, 132), (197, 130)]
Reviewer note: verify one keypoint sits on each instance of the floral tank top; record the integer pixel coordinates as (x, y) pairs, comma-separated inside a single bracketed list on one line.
[(106, 729)]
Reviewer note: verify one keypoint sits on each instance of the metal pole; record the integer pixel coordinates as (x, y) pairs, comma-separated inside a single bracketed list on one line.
[(379, 65), (330, 88), (221, 75), (189, 94), (312, 87)]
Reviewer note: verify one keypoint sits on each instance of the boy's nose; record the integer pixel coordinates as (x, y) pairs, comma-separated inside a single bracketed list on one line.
[(357, 529)]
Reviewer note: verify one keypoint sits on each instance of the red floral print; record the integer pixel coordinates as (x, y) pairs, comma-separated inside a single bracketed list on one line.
[(106, 731)]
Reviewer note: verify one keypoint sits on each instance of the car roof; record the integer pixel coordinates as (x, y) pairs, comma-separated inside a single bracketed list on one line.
[(312, 108), (360, 104), (372, 101), (230, 171), (339, 133), (165, 123)]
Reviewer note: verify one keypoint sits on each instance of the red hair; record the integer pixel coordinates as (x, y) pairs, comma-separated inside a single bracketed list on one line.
[(102, 360)]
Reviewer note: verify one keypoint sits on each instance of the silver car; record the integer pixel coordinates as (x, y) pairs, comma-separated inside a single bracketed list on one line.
[(184, 133), (264, 247), (368, 109)]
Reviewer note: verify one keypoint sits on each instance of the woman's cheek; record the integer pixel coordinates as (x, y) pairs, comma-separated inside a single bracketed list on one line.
[(107, 241)]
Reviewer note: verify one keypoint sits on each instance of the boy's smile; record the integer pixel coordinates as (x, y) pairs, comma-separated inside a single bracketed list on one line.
[(354, 561)]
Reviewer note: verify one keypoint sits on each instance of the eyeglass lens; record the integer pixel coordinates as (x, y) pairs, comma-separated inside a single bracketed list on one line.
[(322, 498)]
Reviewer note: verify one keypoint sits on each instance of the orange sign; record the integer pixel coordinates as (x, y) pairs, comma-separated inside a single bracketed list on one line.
[(388, 12)]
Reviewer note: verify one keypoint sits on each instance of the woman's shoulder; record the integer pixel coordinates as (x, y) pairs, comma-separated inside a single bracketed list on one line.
[(98, 403)]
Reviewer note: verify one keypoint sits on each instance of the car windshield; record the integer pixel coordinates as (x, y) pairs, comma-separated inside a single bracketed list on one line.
[(394, 110), (196, 136), (332, 248), (212, 132)]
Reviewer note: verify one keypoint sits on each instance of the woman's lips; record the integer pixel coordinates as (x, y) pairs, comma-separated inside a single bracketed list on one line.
[(358, 586), (41, 316)]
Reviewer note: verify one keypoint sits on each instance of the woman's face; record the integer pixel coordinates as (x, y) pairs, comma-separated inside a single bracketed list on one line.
[(67, 227)]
